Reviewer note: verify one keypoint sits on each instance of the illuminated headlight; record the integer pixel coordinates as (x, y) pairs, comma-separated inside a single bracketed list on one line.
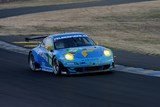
[(69, 56), (107, 53)]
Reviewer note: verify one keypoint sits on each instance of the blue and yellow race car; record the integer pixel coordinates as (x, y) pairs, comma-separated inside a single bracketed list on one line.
[(70, 53)]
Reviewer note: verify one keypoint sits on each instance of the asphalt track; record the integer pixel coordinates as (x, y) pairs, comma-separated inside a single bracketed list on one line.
[(27, 10), (20, 87)]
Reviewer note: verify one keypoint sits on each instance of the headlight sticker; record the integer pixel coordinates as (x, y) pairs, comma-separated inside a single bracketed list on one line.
[(69, 56)]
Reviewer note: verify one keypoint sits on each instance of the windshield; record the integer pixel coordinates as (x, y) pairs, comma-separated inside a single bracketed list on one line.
[(73, 42)]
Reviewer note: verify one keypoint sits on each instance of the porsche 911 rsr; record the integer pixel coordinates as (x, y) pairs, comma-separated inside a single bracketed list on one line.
[(70, 53)]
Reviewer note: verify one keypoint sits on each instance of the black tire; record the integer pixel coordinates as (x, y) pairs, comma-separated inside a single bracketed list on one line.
[(57, 67), (32, 64)]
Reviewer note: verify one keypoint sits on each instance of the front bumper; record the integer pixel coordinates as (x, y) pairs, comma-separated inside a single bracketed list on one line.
[(91, 69), (89, 65)]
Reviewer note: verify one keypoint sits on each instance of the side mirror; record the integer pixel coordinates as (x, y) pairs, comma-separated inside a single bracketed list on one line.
[(49, 48), (96, 43)]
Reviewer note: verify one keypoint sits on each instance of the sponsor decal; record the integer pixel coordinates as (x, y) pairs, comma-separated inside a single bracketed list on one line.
[(84, 53), (72, 50), (49, 59), (90, 50), (46, 56), (69, 36)]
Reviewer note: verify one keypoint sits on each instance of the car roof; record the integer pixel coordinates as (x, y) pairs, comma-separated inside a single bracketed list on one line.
[(61, 35)]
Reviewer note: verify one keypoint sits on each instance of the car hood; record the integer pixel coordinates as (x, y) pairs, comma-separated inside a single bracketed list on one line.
[(82, 52)]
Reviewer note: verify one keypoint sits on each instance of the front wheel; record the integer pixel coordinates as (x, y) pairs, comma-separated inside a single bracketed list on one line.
[(56, 67)]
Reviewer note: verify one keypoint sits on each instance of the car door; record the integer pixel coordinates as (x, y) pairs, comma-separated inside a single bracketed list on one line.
[(46, 48)]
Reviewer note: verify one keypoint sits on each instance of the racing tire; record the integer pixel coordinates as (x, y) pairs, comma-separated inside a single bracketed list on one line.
[(32, 64), (57, 67)]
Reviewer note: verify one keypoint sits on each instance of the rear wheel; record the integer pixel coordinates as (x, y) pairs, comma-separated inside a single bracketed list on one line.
[(32, 63)]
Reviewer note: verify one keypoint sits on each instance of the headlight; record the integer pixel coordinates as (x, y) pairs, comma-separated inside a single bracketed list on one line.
[(107, 53), (69, 56)]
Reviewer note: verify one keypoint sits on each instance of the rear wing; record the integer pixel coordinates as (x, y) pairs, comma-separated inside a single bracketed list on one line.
[(27, 39)]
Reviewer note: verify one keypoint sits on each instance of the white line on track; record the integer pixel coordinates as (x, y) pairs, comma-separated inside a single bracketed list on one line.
[(120, 68), (14, 48)]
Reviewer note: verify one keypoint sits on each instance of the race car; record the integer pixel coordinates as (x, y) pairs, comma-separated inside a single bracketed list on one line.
[(69, 53)]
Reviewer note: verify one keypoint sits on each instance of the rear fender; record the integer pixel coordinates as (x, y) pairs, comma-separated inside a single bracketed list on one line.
[(36, 58)]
